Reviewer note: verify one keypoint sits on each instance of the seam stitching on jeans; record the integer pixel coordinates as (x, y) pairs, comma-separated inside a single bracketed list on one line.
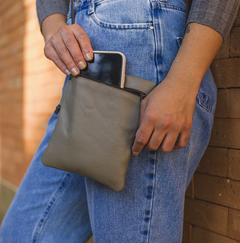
[(169, 6), (151, 205), (50, 205), (126, 26), (204, 106)]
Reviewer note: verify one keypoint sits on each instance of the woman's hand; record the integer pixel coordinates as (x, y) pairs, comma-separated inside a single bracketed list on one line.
[(68, 46), (166, 118), (167, 112)]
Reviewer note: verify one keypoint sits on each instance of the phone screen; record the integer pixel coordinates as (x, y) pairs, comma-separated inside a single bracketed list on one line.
[(105, 67)]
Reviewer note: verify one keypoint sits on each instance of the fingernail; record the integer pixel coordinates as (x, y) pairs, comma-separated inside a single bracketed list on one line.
[(135, 153), (88, 57), (67, 72), (82, 65), (75, 72)]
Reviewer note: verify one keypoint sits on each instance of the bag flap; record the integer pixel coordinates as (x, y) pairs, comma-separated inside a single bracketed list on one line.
[(143, 85)]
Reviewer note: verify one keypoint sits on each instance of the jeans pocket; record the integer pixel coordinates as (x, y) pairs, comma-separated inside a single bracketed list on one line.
[(207, 93), (206, 102), (121, 14)]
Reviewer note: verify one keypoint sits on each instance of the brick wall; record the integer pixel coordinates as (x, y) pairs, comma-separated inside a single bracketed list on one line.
[(212, 207), (30, 87)]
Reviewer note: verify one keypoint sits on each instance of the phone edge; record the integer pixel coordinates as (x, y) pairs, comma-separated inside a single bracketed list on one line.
[(122, 85)]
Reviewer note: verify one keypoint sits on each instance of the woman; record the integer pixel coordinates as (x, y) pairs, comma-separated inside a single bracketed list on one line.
[(176, 120)]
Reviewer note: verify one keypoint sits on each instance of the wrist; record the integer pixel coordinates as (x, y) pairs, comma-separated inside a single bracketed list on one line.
[(51, 24), (185, 78), (199, 46)]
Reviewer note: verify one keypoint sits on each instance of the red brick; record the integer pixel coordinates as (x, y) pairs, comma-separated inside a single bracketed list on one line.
[(14, 174), (214, 162), (17, 15), (16, 156), (217, 190), (12, 63), (13, 21), (234, 224), (12, 131), (224, 50), (234, 164), (186, 233), (226, 72), (226, 133), (206, 215), (200, 235), (16, 167), (189, 192), (234, 101), (17, 8), (11, 142), (13, 37), (235, 43), (5, 5), (222, 108), (30, 87)]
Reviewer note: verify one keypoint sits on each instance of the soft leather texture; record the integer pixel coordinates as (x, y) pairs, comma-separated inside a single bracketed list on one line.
[(95, 130), (143, 85)]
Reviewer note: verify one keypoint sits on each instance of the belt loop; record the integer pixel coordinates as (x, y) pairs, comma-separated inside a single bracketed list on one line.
[(90, 6)]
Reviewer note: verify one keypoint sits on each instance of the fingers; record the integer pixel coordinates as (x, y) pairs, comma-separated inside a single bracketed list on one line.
[(183, 136), (65, 56), (51, 54), (69, 49), (84, 43), (143, 134), (159, 134), (168, 134), (168, 142), (166, 118), (165, 136)]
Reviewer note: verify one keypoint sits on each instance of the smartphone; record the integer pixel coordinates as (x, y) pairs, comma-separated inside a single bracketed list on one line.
[(108, 67)]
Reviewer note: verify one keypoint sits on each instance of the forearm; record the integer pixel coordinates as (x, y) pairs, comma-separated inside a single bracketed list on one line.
[(167, 112), (51, 24), (198, 49)]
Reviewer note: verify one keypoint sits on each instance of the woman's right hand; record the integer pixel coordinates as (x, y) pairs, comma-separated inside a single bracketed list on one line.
[(69, 48)]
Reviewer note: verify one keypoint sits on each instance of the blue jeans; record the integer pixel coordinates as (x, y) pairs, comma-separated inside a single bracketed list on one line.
[(53, 206)]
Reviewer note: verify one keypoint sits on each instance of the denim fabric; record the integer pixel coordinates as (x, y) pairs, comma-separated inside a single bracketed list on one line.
[(61, 207)]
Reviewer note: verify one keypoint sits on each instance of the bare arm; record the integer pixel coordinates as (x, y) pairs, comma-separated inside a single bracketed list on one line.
[(68, 46), (167, 111)]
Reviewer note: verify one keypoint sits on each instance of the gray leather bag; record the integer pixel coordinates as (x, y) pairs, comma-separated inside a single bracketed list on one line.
[(96, 129)]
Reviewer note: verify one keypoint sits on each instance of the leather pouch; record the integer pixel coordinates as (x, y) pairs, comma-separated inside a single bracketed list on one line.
[(96, 129)]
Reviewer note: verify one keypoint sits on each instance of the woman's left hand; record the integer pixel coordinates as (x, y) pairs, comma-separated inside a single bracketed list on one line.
[(167, 112), (166, 118)]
